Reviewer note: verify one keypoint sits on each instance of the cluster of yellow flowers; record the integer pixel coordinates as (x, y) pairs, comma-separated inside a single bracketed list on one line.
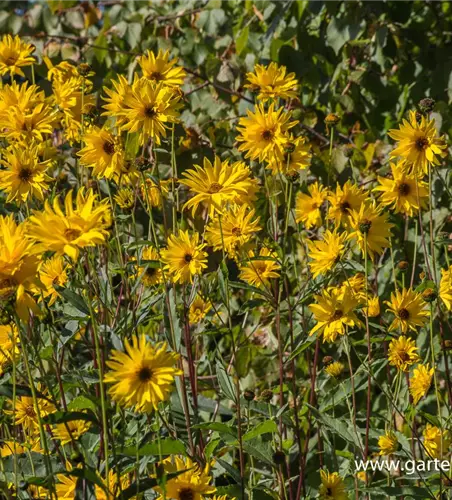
[(343, 232)]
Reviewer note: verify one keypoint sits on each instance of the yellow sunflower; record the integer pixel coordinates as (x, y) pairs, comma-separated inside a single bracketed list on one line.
[(194, 484), (345, 199), (198, 309), (71, 430), (264, 133), (370, 228), (26, 413), (116, 484), (409, 310), (15, 54), (308, 206), (9, 345), (103, 152), (184, 257), (327, 252), (217, 184), (335, 369), (160, 69), (272, 82), (418, 143), (403, 192), (402, 353), (149, 109), (333, 312), (52, 273), (150, 274), (235, 229), (332, 486), (445, 287), (436, 441), (115, 99), (388, 443), (297, 156), (125, 198), (75, 228), (258, 270), (143, 375), (421, 381)]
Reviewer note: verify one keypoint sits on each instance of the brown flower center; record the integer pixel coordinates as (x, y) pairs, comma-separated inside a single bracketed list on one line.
[(11, 60), (156, 75), (145, 374), (215, 187), (404, 356), (267, 135), (30, 411), (71, 233), (188, 258), (108, 148), (404, 189), (421, 143), (25, 174), (337, 314), (186, 494), (236, 231), (344, 207), (149, 111), (404, 314)]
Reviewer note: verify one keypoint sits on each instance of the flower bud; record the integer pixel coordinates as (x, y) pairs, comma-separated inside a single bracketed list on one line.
[(332, 119), (426, 105), (279, 457), (249, 395)]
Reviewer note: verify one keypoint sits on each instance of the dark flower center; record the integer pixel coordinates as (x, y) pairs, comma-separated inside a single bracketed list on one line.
[(72, 233), (11, 60), (337, 314), (404, 189), (149, 111), (150, 271), (267, 135), (215, 187), (25, 175), (30, 411), (404, 314), (145, 374), (188, 258), (421, 143), (236, 231), (109, 148), (404, 356), (344, 207), (155, 75), (186, 494)]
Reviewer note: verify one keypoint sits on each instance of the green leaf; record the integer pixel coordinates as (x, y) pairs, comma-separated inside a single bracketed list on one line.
[(263, 428), (242, 40), (76, 300), (167, 447), (232, 471), (82, 403), (225, 381), (173, 318), (86, 473), (218, 427), (61, 417)]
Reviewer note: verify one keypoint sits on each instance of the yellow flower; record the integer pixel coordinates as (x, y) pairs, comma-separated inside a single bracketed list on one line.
[(103, 152), (143, 376), (10, 447), (26, 413), (373, 308), (436, 442), (160, 69), (418, 144), (14, 55), (326, 253), (65, 486), (258, 270), (116, 485), (150, 275), (75, 228), (198, 309), (125, 198), (297, 156), (153, 193), (71, 430), (115, 106), (53, 272), (217, 184), (355, 284), (9, 345), (62, 71), (408, 308), (149, 108), (333, 312), (343, 201), (272, 82), (402, 353), (264, 133), (335, 369), (403, 192), (420, 382), (370, 229), (236, 228), (332, 487), (184, 258), (308, 206), (445, 287), (388, 443), (193, 484)]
